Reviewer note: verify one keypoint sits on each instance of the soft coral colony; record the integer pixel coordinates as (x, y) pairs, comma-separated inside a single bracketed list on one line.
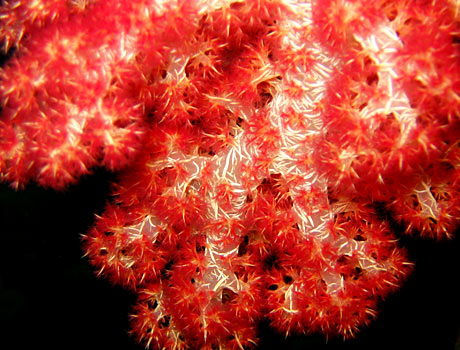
[(252, 140)]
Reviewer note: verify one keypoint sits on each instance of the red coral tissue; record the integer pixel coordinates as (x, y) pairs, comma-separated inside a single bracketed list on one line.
[(253, 140)]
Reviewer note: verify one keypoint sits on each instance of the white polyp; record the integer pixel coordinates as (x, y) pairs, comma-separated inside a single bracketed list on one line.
[(148, 228), (218, 274), (381, 46), (333, 281), (430, 208)]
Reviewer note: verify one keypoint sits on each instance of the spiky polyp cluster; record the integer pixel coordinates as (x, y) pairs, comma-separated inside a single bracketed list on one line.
[(224, 193), (392, 109), (258, 134), (71, 95)]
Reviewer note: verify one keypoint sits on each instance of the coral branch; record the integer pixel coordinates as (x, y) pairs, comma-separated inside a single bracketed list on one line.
[(252, 142)]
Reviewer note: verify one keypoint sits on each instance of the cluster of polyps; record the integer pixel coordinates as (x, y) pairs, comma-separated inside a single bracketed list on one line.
[(254, 139)]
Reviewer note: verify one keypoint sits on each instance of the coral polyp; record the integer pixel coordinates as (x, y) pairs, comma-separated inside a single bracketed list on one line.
[(253, 140)]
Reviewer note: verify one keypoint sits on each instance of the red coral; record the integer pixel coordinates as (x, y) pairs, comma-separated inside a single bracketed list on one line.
[(252, 140)]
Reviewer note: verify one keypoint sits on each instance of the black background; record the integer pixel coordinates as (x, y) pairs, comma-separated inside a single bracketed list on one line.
[(51, 298)]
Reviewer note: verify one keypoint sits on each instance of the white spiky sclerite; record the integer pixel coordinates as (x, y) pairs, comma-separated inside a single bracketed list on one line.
[(258, 213), (351, 257), (290, 147)]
